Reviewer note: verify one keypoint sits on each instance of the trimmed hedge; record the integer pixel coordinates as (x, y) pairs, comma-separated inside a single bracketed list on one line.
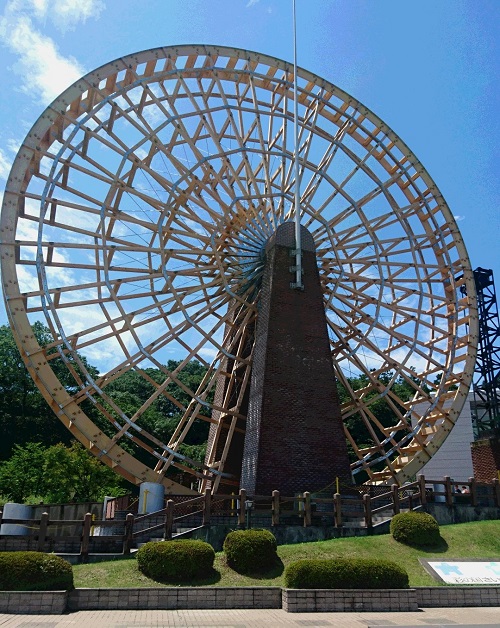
[(34, 571), (415, 528), (176, 560), (250, 551), (345, 573)]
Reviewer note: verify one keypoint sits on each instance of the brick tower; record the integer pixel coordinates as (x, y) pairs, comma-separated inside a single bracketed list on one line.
[(294, 438)]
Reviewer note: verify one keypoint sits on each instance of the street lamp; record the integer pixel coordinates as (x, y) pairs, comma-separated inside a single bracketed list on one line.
[(248, 510)]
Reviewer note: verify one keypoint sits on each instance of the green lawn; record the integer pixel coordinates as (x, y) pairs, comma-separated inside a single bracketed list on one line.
[(467, 540)]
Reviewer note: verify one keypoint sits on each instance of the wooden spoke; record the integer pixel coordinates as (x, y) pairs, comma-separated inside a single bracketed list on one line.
[(134, 225)]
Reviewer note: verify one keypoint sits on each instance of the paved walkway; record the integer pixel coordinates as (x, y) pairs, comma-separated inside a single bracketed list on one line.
[(437, 617)]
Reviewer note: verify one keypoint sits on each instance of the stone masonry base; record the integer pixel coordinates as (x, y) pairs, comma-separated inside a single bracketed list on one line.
[(291, 600), (174, 598), (34, 602), (429, 597), (347, 600)]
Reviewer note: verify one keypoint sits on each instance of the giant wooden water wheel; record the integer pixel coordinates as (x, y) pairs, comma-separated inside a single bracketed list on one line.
[(134, 223)]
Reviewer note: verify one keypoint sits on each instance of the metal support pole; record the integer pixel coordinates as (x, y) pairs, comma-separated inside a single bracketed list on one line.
[(298, 244)]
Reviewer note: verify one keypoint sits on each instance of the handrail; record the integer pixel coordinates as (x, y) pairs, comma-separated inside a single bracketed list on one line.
[(189, 514), (306, 509)]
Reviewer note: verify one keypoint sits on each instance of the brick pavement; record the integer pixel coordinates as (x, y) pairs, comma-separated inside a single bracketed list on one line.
[(437, 617)]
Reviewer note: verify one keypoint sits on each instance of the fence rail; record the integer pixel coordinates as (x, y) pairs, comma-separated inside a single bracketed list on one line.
[(361, 509)]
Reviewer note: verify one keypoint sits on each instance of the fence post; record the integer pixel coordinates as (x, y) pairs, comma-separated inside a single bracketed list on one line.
[(449, 492), (307, 509), (42, 531), (396, 507), (367, 507), (275, 508), (242, 508), (337, 500), (169, 520), (129, 531), (473, 491), (423, 494), (409, 493), (496, 492), (84, 548), (207, 506)]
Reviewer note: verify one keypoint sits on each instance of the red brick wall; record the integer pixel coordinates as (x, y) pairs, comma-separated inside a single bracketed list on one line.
[(486, 458), (294, 440)]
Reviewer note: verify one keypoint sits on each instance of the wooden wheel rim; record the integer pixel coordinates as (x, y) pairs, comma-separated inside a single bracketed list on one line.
[(151, 186)]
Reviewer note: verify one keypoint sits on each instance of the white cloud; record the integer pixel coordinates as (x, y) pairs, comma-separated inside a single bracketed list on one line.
[(44, 70), (26, 230), (5, 164), (40, 64), (250, 3), (64, 14), (14, 144), (27, 278), (459, 218)]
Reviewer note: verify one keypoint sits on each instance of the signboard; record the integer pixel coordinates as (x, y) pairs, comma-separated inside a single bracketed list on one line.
[(464, 572)]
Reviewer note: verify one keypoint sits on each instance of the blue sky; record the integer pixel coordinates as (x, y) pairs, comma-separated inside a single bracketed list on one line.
[(429, 69)]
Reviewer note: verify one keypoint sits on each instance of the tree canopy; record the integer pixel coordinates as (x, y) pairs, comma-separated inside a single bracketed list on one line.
[(36, 448)]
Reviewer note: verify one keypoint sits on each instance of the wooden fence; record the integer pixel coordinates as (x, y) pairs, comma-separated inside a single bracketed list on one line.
[(90, 535)]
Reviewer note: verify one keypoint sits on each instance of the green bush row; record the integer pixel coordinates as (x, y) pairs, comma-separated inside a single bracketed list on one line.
[(34, 571), (254, 551), (345, 573), (247, 551)]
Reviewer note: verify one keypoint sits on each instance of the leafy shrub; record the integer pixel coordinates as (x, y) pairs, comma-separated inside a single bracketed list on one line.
[(176, 560), (415, 528), (34, 571), (345, 573), (250, 551)]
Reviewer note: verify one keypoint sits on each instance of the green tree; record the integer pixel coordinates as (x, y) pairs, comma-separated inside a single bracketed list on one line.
[(132, 390), (22, 475), (25, 416), (73, 474), (57, 474)]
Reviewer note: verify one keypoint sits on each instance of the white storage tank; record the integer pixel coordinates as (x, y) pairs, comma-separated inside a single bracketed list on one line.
[(16, 511), (151, 497)]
